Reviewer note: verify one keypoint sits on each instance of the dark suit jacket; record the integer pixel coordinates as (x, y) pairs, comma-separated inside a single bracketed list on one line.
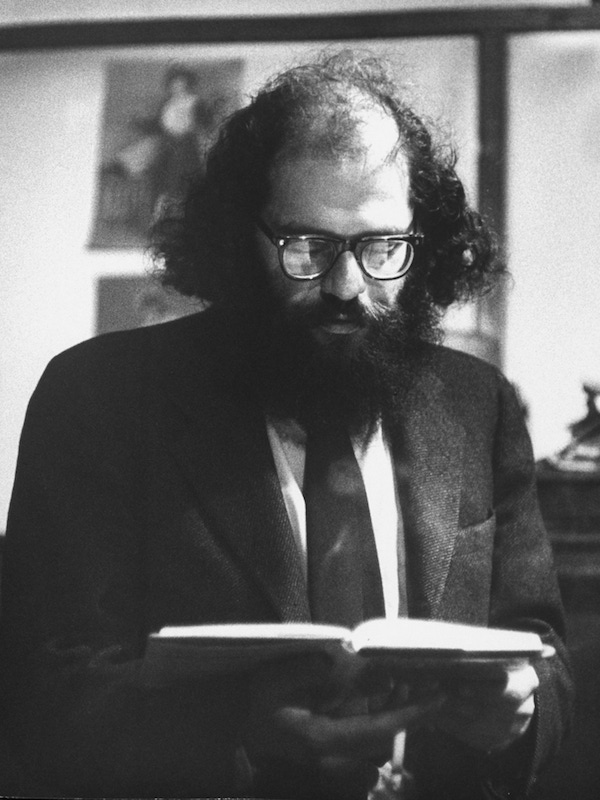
[(146, 495)]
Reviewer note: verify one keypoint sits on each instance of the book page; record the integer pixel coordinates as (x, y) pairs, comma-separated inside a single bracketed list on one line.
[(259, 631), (188, 652), (442, 639)]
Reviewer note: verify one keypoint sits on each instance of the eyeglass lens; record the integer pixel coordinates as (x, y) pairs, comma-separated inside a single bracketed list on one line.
[(381, 259)]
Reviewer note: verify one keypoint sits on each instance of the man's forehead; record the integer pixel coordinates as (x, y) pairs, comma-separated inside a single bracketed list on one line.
[(345, 196), (378, 153)]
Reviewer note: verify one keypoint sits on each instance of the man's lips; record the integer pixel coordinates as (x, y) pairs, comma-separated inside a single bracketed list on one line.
[(339, 323), (337, 317)]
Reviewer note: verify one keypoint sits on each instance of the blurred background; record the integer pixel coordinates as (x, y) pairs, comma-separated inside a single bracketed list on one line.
[(90, 90)]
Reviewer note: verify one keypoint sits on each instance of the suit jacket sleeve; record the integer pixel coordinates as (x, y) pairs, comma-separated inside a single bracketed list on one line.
[(523, 594), (525, 591), (74, 618)]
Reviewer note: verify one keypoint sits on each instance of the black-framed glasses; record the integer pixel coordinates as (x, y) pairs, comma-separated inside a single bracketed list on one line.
[(310, 256)]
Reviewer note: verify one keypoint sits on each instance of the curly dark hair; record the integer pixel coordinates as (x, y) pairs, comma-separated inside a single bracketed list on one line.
[(206, 247)]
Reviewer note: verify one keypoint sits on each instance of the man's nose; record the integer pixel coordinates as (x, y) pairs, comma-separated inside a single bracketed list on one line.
[(345, 279)]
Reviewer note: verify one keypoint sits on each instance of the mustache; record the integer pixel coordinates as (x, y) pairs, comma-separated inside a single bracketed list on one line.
[(329, 309)]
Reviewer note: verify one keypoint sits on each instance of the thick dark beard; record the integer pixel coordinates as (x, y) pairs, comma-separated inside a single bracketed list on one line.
[(355, 385)]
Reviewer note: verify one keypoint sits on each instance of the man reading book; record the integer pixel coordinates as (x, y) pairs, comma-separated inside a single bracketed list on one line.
[(304, 449)]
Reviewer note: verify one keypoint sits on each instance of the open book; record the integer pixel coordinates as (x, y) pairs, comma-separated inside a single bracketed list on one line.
[(185, 652)]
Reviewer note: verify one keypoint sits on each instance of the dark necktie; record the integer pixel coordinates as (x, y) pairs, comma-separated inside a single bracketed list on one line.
[(344, 581)]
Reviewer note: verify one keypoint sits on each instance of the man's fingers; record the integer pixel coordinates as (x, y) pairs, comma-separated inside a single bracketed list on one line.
[(490, 715), (516, 688), (522, 682), (360, 734)]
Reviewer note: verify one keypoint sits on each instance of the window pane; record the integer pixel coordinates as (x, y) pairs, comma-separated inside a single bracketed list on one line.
[(553, 325)]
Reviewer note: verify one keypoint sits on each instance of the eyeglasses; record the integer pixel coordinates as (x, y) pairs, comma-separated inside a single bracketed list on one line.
[(308, 257)]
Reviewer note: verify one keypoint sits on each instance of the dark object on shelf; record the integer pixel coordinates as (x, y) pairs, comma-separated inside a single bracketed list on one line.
[(582, 454)]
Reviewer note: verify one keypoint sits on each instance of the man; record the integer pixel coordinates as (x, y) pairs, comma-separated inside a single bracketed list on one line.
[(164, 479)]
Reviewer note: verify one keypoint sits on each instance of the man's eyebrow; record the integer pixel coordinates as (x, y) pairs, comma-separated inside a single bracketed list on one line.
[(293, 229)]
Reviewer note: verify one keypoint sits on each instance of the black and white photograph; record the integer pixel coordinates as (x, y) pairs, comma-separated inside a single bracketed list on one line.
[(300, 400)]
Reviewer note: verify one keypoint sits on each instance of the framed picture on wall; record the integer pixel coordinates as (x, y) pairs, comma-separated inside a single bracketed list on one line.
[(158, 118)]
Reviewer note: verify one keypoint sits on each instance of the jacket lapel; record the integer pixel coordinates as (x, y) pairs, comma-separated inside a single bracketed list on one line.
[(218, 437), (428, 452)]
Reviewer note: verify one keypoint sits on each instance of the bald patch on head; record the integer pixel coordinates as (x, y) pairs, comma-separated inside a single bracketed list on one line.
[(343, 124), (377, 135)]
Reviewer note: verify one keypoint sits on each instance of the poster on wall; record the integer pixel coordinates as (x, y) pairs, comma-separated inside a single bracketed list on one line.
[(158, 119)]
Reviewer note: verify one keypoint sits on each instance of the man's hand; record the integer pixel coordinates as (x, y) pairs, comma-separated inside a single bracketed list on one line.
[(305, 711), (490, 711)]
